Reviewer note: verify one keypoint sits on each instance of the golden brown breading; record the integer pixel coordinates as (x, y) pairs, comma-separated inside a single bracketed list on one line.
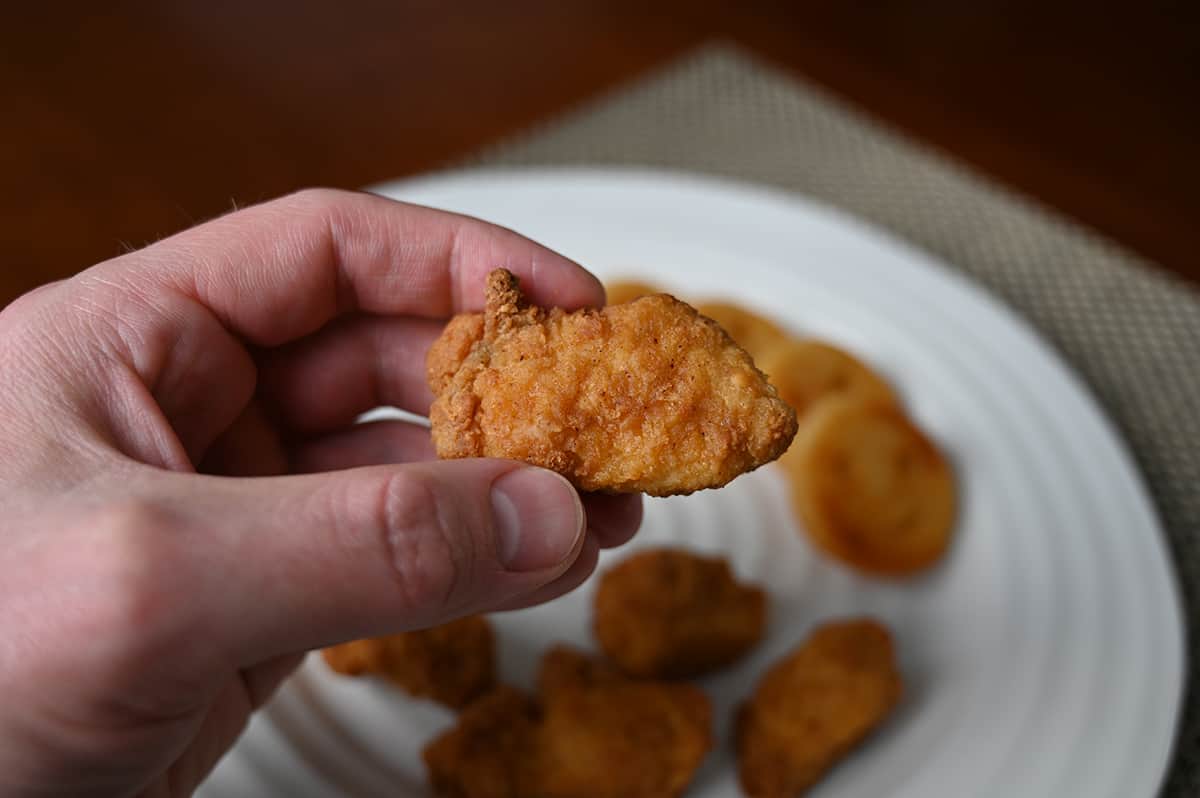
[(871, 488), (813, 706), (487, 752), (808, 370), (647, 397), (754, 333), (669, 613), (356, 657), (595, 734), (567, 668), (630, 740), (451, 664), (451, 349), (604, 736)]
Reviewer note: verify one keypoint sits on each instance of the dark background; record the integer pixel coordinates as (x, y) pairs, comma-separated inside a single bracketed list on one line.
[(126, 123)]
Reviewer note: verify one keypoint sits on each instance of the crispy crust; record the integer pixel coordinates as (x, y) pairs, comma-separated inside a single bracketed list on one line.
[(647, 397), (814, 706), (451, 664), (672, 614), (592, 733), (871, 489)]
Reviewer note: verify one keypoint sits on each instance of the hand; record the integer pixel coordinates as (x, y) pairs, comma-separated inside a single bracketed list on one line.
[(164, 559)]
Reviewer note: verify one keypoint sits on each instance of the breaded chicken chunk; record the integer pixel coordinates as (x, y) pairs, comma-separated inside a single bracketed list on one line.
[(592, 733), (604, 736), (631, 740), (756, 334), (871, 488), (671, 614), (813, 706), (451, 664), (487, 753), (567, 668), (646, 396)]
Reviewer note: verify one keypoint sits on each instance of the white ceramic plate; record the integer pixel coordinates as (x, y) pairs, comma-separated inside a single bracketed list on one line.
[(1044, 657)]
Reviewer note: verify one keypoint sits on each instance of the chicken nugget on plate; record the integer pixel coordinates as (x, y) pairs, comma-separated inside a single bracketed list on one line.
[(605, 736), (814, 706), (807, 370), (567, 668), (485, 755), (591, 733), (871, 488), (451, 664), (756, 334), (671, 613)]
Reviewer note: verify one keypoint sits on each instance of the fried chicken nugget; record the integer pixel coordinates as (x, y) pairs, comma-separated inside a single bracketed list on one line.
[(807, 370), (643, 397), (604, 736), (487, 753), (754, 333), (671, 614), (593, 734), (813, 706), (451, 664), (566, 668), (872, 489)]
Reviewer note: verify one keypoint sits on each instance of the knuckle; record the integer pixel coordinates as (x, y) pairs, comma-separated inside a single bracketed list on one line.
[(131, 616), (129, 568), (421, 540)]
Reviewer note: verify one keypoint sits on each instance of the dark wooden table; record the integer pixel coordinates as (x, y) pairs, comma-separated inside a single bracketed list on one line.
[(123, 122)]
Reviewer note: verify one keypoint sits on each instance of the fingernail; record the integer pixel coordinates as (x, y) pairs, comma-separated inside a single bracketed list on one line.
[(539, 518)]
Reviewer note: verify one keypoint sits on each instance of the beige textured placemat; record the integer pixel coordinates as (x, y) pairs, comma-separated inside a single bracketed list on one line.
[(1132, 332)]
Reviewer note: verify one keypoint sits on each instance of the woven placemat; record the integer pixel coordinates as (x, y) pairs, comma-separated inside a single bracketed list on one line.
[(1130, 330)]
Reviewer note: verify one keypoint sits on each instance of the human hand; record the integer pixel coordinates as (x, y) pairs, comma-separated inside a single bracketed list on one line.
[(166, 559)]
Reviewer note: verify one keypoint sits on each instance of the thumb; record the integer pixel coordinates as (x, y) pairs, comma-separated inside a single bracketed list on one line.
[(306, 561)]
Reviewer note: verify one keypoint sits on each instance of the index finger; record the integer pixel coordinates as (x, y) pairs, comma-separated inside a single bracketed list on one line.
[(281, 270)]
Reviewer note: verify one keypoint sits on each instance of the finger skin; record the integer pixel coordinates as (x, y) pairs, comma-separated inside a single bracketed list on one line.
[(355, 553), (613, 518), (372, 443), (583, 567), (281, 270), (324, 381)]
